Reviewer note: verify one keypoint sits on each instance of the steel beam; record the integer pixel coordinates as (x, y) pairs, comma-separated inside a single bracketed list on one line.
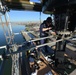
[(23, 5)]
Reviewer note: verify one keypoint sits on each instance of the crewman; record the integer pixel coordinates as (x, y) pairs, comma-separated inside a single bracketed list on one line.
[(45, 28)]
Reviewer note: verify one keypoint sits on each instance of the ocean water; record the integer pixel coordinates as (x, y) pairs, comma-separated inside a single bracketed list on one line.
[(16, 29), (18, 39)]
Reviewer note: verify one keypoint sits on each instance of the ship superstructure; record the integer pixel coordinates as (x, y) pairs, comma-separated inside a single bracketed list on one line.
[(29, 58)]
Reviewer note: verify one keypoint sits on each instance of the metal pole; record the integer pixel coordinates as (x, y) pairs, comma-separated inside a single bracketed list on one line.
[(15, 62), (38, 46), (40, 17), (10, 26)]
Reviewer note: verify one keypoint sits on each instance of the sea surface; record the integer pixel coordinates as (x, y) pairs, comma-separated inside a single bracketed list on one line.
[(16, 29), (18, 39)]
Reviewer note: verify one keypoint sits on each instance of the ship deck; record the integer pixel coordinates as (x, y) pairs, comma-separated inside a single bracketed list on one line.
[(44, 67)]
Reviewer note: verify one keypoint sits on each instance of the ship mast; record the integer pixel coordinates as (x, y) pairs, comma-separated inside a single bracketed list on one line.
[(7, 28)]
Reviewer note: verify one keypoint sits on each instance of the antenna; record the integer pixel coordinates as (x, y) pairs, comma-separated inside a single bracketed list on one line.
[(40, 18)]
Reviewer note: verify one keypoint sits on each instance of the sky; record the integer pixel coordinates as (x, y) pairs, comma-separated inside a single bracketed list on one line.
[(35, 1), (27, 15)]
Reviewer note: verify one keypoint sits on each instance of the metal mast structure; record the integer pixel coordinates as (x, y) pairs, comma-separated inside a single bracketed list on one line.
[(12, 48), (7, 28)]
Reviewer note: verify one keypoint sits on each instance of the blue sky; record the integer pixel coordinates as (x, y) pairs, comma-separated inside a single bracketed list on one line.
[(27, 15), (35, 1)]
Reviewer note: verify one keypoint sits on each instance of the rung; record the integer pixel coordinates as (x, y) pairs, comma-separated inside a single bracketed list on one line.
[(51, 44), (41, 38), (3, 47)]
